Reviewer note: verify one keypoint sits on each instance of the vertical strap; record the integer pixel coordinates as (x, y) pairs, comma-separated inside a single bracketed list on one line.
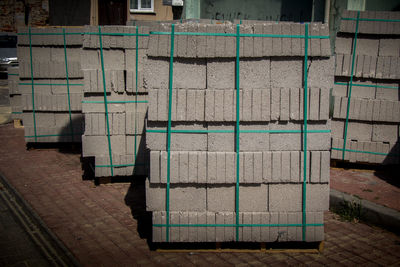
[(136, 86), (67, 77), (33, 87), (305, 132), (105, 102), (350, 85), (237, 127), (171, 72)]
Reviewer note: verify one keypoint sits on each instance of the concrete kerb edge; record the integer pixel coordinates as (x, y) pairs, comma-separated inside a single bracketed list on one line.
[(372, 213), (36, 219)]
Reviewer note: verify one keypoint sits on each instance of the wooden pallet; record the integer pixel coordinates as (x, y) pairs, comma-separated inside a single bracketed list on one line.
[(18, 123), (218, 247)]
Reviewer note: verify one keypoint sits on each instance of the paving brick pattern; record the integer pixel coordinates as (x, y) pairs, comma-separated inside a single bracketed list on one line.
[(107, 225)]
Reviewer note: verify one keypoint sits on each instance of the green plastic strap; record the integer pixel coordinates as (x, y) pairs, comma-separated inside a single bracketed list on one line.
[(369, 85), (366, 152), (49, 135), (350, 85), (243, 35), (53, 84), (240, 225), (33, 87), (13, 74), (136, 86), (67, 77), (113, 102), (304, 219), (119, 165), (105, 101), (237, 83), (171, 72), (241, 131), (365, 19), (83, 33)]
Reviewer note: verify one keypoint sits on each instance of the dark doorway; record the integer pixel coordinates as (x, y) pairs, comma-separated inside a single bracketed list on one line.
[(69, 13), (112, 12)]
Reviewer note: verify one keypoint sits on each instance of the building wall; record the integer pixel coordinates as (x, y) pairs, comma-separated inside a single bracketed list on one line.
[(12, 14), (161, 12)]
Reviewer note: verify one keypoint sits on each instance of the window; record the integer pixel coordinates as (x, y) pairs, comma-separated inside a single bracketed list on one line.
[(142, 6)]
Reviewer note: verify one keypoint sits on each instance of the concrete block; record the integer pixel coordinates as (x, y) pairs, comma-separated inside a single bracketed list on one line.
[(179, 141), (286, 169), (258, 41), (277, 42), (276, 167), (182, 198), (254, 73), (275, 103), (211, 231), (230, 42), (367, 46), (344, 45), (288, 197), (218, 105), (315, 169), (155, 167), (389, 47), (296, 43), (320, 73), (307, 166), (202, 167), (284, 105), (267, 166), (294, 166), (385, 133), (220, 74), (156, 73), (98, 145), (339, 64), (254, 141), (346, 67), (247, 48), (286, 72), (315, 44)]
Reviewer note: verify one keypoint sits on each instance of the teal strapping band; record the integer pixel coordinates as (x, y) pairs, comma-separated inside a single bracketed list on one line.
[(105, 100), (240, 131), (369, 85), (13, 74), (366, 152), (239, 225), (120, 165), (53, 84), (170, 84), (304, 219), (243, 35), (350, 85), (83, 33), (33, 87), (237, 84), (113, 102), (49, 135), (366, 19), (67, 78)]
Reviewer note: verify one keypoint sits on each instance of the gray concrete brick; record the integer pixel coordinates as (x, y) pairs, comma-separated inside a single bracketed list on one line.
[(320, 73), (294, 166), (284, 105), (218, 105), (367, 46), (277, 42), (389, 47), (258, 41), (192, 167), (344, 45), (248, 42), (267, 42), (385, 133), (315, 170), (211, 168), (285, 164), (315, 44), (339, 64), (155, 166), (230, 42), (265, 104), (286, 72), (98, 145), (220, 167)]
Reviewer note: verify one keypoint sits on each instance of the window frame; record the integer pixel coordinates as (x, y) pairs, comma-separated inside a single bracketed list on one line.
[(140, 9)]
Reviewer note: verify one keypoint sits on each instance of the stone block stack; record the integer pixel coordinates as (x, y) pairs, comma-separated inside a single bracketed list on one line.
[(196, 191), (51, 84), (14, 93), (115, 136), (366, 102)]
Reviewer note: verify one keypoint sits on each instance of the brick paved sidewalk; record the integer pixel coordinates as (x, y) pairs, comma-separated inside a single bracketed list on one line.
[(107, 225)]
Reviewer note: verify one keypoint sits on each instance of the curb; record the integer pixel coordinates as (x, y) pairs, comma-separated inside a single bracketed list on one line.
[(372, 212), (50, 236)]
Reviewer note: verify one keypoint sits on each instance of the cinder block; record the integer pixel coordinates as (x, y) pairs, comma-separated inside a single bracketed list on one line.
[(344, 45), (320, 73), (389, 47), (156, 73), (286, 72), (182, 198), (98, 145), (367, 46), (288, 197), (385, 133), (220, 74)]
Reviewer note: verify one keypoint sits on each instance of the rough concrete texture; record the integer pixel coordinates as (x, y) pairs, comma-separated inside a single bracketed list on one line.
[(224, 46), (255, 167), (246, 234)]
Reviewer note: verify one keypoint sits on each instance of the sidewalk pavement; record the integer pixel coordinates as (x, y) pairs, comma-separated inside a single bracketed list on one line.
[(107, 225)]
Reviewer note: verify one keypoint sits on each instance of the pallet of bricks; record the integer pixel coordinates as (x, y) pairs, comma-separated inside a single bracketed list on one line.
[(15, 96), (115, 99), (366, 103), (51, 84), (231, 156)]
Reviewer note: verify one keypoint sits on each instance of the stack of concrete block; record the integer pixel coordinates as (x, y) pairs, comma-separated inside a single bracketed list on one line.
[(125, 118), (203, 163), (14, 93), (374, 112), (48, 109)]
